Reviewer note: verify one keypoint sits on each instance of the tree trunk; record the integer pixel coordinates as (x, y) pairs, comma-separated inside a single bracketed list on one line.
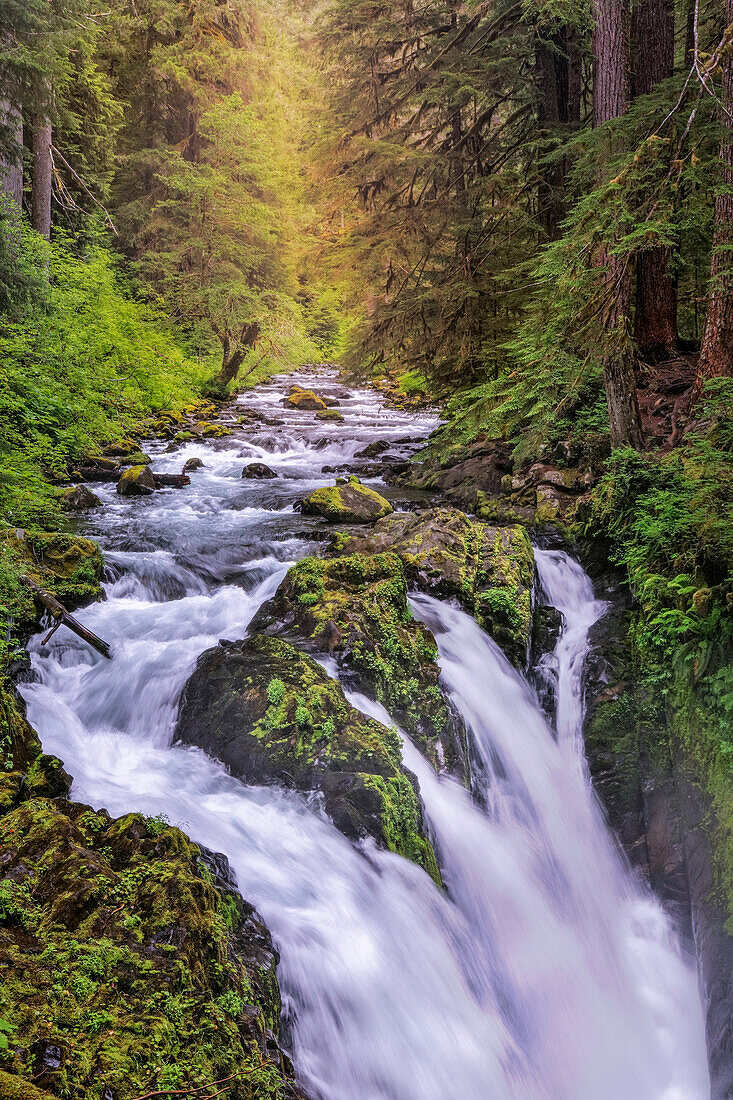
[(557, 65), (716, 354), (611, 93), (42, 178), (232, 360), (11, 164), (655, 322)]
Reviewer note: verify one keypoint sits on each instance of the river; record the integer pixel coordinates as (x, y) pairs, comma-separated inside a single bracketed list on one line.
[(545, 970)]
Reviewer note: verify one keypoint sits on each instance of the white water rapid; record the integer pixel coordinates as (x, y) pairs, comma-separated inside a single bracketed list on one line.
[(544, 971)]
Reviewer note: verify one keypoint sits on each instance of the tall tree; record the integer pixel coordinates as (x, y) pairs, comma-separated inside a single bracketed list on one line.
[(42, 174), (716, 354), (611, 96), (655, 321)]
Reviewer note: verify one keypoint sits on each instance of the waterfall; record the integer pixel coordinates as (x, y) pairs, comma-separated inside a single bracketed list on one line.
[(544, 971)]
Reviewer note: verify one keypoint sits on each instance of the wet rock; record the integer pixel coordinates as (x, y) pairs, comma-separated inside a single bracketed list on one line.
[(125, 913), (79, 499), (137, 458), (374, 450), (258, 470), (171, 481), (137, 481), (355, 609), (121, 448), (68, 566), (305, 400), (329, 414), (272, 714), (347, 502), (192, 464), (490, 570)]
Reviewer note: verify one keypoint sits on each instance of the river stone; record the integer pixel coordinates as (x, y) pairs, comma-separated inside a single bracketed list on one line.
[(272, 715), (329, 414), (137, 458), (304, 399), (258, 470), (490, 570), (347, 502), (79, 499), (192, 464), (137, 481), (355, 609), (374, 450)]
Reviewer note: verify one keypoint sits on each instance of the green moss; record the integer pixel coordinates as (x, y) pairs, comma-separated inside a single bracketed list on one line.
[(118, 950), (348, 502), (356, 608)]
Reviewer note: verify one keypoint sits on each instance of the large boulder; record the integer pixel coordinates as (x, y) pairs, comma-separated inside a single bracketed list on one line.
[(304, 399), (79, 499), (258, 470), (137, 481), (355, 609), (490, 570), (329, 414), (68, 566), (272, 714), (347, 502)]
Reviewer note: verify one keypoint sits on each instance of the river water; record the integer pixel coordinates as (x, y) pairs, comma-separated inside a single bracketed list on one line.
[(544, 971)]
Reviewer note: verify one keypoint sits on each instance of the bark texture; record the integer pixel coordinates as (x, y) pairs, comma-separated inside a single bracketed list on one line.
[(611, 95), (716, 355), (42, 178), (558, 75), (11, 164), (655, 322)]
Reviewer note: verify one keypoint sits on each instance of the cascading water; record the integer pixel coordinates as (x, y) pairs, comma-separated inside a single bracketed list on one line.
[(544, 973)]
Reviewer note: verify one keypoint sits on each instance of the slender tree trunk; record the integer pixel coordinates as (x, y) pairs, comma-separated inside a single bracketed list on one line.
[(11, 165), (42, 177), (655, 322), (716, 354), (558, 69), (231, 361), (611, 94)]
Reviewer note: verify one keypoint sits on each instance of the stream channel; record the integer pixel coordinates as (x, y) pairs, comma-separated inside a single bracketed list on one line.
[(545, 970)]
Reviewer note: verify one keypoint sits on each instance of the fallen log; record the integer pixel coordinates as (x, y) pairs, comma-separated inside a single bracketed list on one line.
[(63, 618), (171, 481), (96, 473)]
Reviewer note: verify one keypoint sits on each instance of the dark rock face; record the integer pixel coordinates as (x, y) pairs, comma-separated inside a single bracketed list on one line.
[(355, 609), (714, 944), (258, 470), (490, 570), (347, 502), (271, 714), (192, 464), (79, 499), (137, 481)]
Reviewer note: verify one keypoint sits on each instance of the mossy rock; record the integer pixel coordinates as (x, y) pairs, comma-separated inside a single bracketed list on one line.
[(211, 431), (329, 414), (25, 770), (305, 400), (123, 957), (490, 570), (121, 448), (355, 609), (272, 714), (79, 498), (136, 458), (347, 502), (66, 565), (137, 481)]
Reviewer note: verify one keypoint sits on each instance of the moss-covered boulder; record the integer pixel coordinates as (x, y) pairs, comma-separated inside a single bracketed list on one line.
[(329, 414), (355, 609), (79, 498), (272, 714), (137, 481), (136, 458), (66, 565), (127, 966), (348, 501), (25, 770), (306, 400), (447, 553)]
